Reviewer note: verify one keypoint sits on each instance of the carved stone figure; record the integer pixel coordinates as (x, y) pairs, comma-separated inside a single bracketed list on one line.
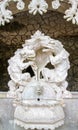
[(44, 92)]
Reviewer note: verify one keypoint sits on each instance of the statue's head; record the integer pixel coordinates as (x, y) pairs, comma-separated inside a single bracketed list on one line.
[(27, 54)]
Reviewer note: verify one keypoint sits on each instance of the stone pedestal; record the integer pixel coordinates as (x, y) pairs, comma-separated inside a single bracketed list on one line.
[(41, 114)]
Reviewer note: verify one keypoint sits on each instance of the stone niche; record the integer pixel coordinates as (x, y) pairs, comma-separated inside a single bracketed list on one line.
[(13, 35)]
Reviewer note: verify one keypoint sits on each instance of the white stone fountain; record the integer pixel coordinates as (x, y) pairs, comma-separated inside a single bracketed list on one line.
[(38, 100)]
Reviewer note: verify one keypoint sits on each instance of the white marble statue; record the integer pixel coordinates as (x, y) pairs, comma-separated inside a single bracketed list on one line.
[(44, 92), (37, 52)]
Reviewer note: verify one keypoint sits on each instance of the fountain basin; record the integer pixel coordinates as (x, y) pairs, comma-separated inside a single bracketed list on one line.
[(7, 113)]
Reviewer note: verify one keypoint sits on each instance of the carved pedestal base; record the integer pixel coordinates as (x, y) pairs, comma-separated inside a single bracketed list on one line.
[(39, 126), (39, 114)]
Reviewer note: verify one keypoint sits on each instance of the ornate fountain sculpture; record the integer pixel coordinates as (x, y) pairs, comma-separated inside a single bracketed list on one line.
[(38, 99)]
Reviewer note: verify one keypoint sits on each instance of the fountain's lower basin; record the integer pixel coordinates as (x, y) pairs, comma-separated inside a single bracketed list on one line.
[(7, 114)]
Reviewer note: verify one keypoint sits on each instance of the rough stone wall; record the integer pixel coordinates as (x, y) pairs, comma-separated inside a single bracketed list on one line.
[(13, 35), (71, 45)]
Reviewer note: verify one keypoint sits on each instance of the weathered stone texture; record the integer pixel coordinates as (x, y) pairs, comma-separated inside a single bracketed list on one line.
[(71, 45), (13, 35)]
